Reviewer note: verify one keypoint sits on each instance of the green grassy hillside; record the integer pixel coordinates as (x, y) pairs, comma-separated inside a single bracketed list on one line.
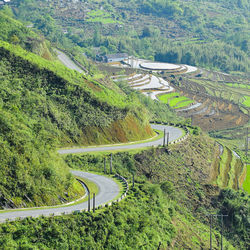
[(166, 207), (44, 105), (17, 33)]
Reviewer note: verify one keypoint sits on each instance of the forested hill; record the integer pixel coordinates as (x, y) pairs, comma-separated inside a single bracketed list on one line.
[(44, 105), (211, 34)]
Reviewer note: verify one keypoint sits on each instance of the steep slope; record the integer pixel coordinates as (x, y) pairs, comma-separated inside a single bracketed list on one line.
[(165, 210), (17, 33), (183, 173), (44, 105)]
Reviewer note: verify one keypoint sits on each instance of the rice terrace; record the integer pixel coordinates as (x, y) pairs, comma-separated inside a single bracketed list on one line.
[(210, 98), (215, 101)]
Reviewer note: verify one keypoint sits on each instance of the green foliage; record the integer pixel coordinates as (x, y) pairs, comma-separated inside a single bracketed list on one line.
[(236, 205), (196, 130), (15, 33), (168, 188), (160, 7), (213, 54), (100, 16), (246, 101), (200, 34), (44, 105), (246, 184), (139, 220)]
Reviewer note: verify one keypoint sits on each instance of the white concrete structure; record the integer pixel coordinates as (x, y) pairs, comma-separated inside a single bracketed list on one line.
[(159, 66)]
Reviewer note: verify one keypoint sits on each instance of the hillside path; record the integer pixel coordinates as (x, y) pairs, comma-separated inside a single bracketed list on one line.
[(174, 134)]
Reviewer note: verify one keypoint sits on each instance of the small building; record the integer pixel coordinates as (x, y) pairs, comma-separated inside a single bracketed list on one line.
[(115, 57), (30, 26)]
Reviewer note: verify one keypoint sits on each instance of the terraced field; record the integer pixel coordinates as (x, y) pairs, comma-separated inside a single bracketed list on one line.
[(148, 84), (238, 85), (228, 170), (221, 105), (167, 97), (217, 102), (153, 85), (174, 100), (224, 91)]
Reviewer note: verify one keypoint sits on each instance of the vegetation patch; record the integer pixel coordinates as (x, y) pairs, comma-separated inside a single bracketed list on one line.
[(101, 17), (174, 100), (246, 184), (246, 101), (93, 188), (239, 85), (179, 102), (227, 171), (166, 97)]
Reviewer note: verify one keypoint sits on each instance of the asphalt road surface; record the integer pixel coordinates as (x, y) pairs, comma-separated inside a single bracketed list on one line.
[(174, 134), (67, 61), (108, 190)]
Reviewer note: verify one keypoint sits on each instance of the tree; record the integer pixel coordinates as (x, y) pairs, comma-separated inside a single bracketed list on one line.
[(97, 38), (146, 32), (188, 58), (14, 39)]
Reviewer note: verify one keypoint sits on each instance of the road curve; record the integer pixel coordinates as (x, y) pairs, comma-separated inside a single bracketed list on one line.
[(67, 61), (108, 190), (174, 134)]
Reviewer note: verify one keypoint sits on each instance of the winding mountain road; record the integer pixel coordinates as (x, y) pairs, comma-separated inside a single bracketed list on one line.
[(67, 61), (108, 190), (174, 134)]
